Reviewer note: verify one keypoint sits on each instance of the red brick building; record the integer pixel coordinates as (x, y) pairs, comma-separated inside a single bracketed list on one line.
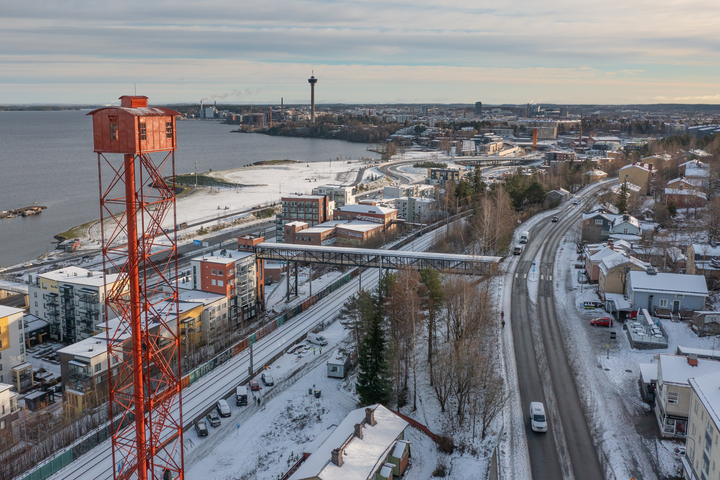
[(366, 211), (311, 209)]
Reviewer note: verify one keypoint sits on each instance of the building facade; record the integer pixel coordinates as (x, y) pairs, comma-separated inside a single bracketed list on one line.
[(312, 209), (9, 413), (72, 301), (12, 345), (340, 194), (639, 174), (671, 291), (702, 444), (415, 209)]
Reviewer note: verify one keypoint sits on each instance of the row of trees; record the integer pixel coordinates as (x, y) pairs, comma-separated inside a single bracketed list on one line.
[(418, 330)]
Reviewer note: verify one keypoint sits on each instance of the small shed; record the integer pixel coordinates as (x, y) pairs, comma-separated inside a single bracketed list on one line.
[(648, 381), (39, 399), (338, 366)]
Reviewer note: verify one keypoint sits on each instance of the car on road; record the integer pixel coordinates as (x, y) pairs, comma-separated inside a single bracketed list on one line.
[(602, 322), (213, 418), (517, 250), (576, 202), (267, 379), (254, 385), (223, 409), (679, 452), (201, 429), (555, 219), (538, 420)]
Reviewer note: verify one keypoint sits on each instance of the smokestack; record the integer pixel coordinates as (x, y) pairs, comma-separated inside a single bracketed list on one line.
[(312, 81), (282, 107)]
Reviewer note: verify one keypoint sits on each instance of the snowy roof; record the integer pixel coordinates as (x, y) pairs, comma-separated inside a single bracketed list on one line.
[(363, 456), (694, 182), (595, 173), (296, 223), (648, 372), (360, 226), (707, 388), (685, 191), (141, 111), (7, 311), (33, 323), (621, 303), (630, 186), (200, 296), (643, 166), (4, 386), (300, 196), (87, 348), (618, 258), (620, 219), (360, 208), (677, 283), (694, 164), (79, 276), (676, 369), (700, 352), (706, 250), (223, 260)]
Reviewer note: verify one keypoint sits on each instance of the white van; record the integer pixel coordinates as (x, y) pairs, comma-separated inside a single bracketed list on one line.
[(316, 339), (538, 420), (524, 237)]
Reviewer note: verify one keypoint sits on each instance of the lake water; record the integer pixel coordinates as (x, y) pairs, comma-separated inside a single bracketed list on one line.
[(48, 158)]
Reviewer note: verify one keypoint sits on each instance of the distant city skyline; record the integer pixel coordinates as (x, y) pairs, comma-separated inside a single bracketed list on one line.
[(557, 51)]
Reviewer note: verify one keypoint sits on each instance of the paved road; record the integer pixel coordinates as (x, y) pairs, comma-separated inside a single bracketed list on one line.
[(567, 450)]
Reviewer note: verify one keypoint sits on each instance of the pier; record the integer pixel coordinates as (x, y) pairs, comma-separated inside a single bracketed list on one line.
[(22, 212)]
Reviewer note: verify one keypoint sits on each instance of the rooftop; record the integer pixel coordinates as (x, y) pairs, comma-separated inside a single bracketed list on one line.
[(676, 283), (224, 260), (88, 348), (685, 191), (199, 296), (78, 276), (675, 369), (358, 208), (7, 311), (707, 388), (360, 226)]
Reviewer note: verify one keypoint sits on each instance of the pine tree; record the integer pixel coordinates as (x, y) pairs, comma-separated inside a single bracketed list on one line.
[(622, 198), (373, 382)]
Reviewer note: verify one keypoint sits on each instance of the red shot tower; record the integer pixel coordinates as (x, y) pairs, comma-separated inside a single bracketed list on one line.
[(138, 219)]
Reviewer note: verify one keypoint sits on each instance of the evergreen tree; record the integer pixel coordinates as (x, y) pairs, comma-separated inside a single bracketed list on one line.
[(432, 295), (622, 198), (373, 382)]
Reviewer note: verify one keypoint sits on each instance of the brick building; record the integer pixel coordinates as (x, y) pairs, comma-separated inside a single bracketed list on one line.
[(311, 209)]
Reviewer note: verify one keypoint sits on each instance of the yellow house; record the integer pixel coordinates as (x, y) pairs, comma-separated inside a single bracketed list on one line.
[(637, 173), (613, 272), (190, 320)]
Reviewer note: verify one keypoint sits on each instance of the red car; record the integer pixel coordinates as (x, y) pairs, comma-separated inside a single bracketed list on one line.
[(254, 385), (602, 322)]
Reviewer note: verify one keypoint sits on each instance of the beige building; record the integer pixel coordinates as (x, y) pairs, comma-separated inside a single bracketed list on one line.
[(702, 444), (613, 271), (12, 346), (8, 413), (639, 174), (672, 403)]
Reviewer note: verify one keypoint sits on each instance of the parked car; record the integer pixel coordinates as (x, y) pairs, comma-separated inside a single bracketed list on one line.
[(602, 322), (316, 339), (538, 420), (213, 418), (201, 428), (254, 385), (555, 219), (679, 452), (240, 397), (517, 250), (223, 408), (267, 379)]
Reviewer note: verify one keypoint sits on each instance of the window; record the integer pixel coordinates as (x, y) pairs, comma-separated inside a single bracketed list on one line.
[(114, 360), (3, 410), (36, 304), (143, 132), (98, 366), (44, 286), (0, 367), (0, 347), (212, 271), (663, 303), (214, 282), (168, 130), (2, 424), (220, 272), (220, 283), (113, 132), (98, 380), (35, 294), (672, 398)]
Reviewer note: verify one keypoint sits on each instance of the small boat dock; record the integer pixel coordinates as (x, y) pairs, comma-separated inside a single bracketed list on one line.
[(22, 212)]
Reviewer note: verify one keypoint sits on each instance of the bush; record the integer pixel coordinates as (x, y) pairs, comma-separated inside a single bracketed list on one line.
[(430, 165), (440, 470), (446, 444)]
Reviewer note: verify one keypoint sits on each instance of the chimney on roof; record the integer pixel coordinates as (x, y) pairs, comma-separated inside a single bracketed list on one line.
[(370, 417), (358, 430), (692, 360), (337, 457), (611, 244)]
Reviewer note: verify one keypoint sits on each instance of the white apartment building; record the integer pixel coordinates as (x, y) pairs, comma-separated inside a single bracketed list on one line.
[(340, 194), (12, 343), (702, 445), (415, 209), (8, 412), (71, 300)]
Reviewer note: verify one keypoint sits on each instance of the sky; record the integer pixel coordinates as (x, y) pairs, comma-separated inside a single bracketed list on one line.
[(361, 51)]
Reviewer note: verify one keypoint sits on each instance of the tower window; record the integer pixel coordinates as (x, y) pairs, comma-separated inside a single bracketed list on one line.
[(113, 131), (168, 130), (143, 132)]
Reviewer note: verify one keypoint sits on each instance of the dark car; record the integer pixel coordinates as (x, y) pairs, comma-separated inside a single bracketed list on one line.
[(602, 322), (267, 379), (517, 250), (201, 429), (223, 409), (254, 385), (213, 418), (576, 202), (241, 400), (555, 219)]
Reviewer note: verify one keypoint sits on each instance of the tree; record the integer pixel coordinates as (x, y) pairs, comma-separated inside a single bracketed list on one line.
[(355, 316), (712, 219), (373, 384), (432, 296), (622, 198), (672, 209)]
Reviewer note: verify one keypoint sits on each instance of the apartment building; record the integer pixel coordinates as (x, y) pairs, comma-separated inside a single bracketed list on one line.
[(84, 373), (366, 211), (702, 444), (639, 174), (238, 276), (442, 175), (12, 346), (9, 413), (415, 209), (72, 301), (340, 194), (312, 209)]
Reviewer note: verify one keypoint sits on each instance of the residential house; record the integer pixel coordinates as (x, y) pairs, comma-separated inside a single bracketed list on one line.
[(613, 272), (673, 291), (438, 176), (702, 444), (367, 445), (593, 254), (685, 197), (340, 194), (696, 170), (9, 414), (672, 403), (595, 176), (706, 322), (12, 346), (703, 259), (639, 174), (557, 196), (599, 226), (683, 182), (72, 301)]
